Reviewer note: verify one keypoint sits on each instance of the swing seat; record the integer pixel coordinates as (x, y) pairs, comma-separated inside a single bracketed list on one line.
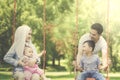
[(107, 78), (90, 79)]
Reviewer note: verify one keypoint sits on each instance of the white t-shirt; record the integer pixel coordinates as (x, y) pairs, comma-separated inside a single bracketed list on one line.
[(100, 45)]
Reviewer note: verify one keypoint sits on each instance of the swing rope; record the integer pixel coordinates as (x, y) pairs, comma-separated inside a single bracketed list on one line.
[(76, 39), (107, 35), (14, 21), (44, 33)]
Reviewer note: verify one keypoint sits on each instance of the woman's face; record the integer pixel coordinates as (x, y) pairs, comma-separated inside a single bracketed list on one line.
[(29, 35)]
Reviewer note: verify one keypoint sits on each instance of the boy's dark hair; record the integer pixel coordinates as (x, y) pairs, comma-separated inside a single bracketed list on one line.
[(90, 43), (98, 27)]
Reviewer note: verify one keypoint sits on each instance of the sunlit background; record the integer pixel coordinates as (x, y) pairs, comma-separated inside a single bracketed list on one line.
[(62, 30)]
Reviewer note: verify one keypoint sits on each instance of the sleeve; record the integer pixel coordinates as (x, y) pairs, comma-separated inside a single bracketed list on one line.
[(104, 52), (10, 58), (98, 61), (104, 47), (81, 63), (38, 60)]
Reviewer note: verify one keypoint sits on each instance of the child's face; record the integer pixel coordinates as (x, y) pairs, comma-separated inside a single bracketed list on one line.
[(86, 49), (28, 52)]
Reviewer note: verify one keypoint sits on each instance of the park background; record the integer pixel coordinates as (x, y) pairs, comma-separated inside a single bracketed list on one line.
[(63, 22)]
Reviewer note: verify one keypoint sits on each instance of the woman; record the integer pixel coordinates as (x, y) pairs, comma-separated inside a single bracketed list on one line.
[(15, 53)]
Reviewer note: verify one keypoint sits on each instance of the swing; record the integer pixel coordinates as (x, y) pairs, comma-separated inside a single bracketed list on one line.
[(90, 79), (44, 34), (14, 21), (75, 69)]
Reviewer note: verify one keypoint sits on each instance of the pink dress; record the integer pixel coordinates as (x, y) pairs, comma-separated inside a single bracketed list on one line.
[(33, 69)]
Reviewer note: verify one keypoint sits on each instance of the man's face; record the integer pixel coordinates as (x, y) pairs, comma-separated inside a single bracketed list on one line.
[(94, 35)]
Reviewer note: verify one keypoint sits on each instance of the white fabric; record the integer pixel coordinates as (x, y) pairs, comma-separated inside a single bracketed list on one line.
[(20, 41), (100, 45)]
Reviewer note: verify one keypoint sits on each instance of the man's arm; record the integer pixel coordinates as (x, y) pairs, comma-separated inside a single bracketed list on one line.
[(104, 55), (79, 56), (104, 61), (81, 41)]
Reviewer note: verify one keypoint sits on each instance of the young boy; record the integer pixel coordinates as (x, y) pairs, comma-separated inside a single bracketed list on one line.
[(89, 63), (28, 69)]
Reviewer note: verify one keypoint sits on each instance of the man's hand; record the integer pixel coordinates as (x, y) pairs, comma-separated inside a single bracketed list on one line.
[(78, 68), (74, 63), (103, 67)]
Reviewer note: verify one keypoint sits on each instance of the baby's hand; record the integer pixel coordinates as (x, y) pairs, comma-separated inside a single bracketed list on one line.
[(42, 53), (31, 63)]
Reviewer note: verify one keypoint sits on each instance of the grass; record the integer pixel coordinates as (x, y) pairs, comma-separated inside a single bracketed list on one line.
[(53, 72), (55, 76)]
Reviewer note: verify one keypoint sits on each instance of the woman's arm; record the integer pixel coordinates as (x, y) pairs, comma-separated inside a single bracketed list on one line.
[(11, 58)]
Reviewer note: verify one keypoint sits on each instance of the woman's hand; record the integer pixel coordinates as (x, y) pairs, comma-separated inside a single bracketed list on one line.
[(20, 63)]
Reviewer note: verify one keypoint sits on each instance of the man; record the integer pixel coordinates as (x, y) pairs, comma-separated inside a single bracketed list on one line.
[(100, 43)]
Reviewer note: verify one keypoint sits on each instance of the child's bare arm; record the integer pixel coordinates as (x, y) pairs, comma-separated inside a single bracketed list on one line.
[(43, 52)]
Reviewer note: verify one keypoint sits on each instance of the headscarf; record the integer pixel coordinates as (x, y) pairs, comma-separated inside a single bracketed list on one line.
[(20, 41)]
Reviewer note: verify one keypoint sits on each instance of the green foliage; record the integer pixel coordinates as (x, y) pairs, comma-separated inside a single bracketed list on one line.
[(60, 25), (29, 12)]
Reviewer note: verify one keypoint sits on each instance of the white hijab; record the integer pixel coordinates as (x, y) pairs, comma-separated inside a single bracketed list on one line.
[(20, 41)]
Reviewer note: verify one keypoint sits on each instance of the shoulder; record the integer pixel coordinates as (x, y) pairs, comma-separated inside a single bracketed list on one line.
[(102, 42), (102, 39), (84, 37)]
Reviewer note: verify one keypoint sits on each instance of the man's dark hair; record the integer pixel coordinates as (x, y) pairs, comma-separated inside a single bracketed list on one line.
[(98, 27), (90, 43)]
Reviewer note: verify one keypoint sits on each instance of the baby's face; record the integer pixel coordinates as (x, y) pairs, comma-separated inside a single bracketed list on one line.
[(28, 52)]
